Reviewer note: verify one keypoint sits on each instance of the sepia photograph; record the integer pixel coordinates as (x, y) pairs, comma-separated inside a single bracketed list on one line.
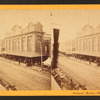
[(49, 49), (25, 50), (75, 49)]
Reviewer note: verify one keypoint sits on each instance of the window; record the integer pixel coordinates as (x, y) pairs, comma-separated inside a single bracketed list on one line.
[(13, 45), (94, 44), (46, 49), (29, 43), (80, 45), (18, 43), (23, 43), (99, 43), (88, 44), (9, 45), (38, 43), (84, 45)]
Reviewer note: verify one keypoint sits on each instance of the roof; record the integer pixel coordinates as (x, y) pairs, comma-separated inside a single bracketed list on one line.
[(39, 24), (16, 26)]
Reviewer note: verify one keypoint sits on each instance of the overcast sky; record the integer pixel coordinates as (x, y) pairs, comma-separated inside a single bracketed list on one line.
[(68, 21)]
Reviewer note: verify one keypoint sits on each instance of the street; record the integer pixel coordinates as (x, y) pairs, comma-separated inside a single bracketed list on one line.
[(23, 77), (82, 72)]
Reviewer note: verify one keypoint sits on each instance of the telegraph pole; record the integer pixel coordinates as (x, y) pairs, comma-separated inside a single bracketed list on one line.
[(41, 53), (55, 48), (55, 44)]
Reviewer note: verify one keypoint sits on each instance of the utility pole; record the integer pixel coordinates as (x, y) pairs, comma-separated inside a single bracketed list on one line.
[(55, 48), (41, 53), (56, 31)]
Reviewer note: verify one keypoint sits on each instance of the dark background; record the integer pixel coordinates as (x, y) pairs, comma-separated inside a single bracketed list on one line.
[(49, 98), (49, 1), (31, 2)]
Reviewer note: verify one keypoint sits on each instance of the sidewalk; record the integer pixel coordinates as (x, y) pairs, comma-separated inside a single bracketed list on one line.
[(2, 88), (82, 62), (54, 85)]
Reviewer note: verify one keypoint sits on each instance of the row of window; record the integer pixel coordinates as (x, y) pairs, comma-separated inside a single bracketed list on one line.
[(19, 44), (25, 44), (88, 44)]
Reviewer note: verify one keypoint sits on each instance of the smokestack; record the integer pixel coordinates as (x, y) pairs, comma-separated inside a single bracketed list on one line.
[(55, 48)]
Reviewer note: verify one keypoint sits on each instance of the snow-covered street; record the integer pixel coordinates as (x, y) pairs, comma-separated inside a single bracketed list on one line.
[(84, 73), (23, 77)]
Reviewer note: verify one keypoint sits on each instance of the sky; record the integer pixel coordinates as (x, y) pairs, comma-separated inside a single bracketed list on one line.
[(69, 21)]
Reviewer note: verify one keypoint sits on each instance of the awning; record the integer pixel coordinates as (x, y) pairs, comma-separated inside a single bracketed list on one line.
[(47, 62)]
